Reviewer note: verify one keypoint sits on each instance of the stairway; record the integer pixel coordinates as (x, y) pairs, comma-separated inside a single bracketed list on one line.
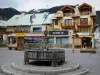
[(18, 68)]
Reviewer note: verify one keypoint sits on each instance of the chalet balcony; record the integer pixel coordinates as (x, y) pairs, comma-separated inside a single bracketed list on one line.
[(84, 24), (68, 25), (68, 14)]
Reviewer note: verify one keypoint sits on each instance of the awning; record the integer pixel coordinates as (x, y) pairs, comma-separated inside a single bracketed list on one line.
[(20, 34)]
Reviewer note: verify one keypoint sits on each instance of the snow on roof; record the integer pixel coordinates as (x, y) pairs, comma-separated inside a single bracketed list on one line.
[(49, 19), (39, 18), (30, 19)]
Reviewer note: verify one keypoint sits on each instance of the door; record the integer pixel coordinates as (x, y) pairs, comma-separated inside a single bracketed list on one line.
[(86, 42)]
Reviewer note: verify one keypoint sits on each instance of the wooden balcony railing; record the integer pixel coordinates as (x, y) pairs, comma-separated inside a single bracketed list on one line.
[(85, 24), (68, 25), (78, 24), (68, 14)]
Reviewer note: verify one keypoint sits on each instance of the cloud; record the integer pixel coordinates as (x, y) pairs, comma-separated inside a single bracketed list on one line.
[(8, 3), (26, 5)]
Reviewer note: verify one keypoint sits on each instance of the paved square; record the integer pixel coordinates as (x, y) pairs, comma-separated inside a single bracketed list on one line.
[(90, 61)]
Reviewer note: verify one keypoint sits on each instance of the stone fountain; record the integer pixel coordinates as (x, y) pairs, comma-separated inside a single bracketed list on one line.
[(43, 55)]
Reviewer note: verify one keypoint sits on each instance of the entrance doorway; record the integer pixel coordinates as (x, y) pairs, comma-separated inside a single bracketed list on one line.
[(86, 42)]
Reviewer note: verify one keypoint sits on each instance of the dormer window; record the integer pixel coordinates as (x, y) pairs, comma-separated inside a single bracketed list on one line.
[(67, 13), (67, 10), (85, 9)]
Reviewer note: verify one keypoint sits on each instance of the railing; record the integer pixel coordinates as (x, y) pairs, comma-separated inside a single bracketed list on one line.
[(79, 24), (70, 24), (85, 13), (85, 24), (68, 14)]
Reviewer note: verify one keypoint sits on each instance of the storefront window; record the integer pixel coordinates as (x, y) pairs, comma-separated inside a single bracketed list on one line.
[(51, 40), (60, 40), (64, 40)]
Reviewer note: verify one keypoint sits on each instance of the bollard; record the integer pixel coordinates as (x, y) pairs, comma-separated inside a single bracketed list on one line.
[(54, 59), (26, 59)]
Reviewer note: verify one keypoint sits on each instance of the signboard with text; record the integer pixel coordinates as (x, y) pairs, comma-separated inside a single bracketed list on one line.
[(58, 32)]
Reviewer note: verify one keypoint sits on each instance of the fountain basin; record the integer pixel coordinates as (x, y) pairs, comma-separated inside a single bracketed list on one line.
[(53, 55)]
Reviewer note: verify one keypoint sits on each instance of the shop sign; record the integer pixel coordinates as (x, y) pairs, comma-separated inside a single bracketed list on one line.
[(20, 34), (58, 32)]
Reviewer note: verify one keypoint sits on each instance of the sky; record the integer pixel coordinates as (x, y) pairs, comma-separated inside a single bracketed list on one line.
[(26, 5)]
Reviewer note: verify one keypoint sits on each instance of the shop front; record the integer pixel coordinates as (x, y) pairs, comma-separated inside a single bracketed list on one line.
[(60, 39), (83, 40), (17, 40)]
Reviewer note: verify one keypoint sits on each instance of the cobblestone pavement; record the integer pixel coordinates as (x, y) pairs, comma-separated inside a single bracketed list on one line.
[(90, 61)]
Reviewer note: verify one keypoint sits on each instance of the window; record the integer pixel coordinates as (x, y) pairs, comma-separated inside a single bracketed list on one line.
[(67, 13), (55, 22), (60, 40), (68, 21), (51, 40), (84, 21), (38, 29), (85, 11)]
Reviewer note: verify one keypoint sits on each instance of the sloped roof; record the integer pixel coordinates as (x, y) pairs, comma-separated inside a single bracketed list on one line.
[(68, 6), (39, 19), (19, 20), (85, 4), (26, 20), (49, 19), (13, 21)]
